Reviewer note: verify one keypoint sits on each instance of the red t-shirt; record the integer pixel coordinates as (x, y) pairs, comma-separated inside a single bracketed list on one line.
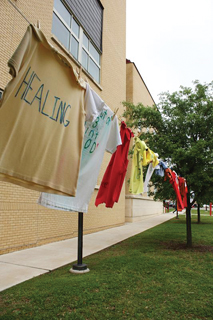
[(113, 179), (183, 190), (169, 174)]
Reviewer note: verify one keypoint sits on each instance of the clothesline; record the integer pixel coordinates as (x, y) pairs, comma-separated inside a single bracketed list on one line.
[(19, 11), (143, 156), (57, 112)]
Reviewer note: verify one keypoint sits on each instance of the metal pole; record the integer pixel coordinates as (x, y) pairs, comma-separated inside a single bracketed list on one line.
[(80, 237), (80, 267)]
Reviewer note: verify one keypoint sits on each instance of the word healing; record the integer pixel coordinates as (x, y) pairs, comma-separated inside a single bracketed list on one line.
[(37, 96)]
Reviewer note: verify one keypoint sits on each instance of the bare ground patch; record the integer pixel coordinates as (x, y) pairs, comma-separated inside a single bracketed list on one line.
[(183, 246)]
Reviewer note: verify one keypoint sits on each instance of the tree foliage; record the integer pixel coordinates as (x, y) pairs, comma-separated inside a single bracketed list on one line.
[(180, 130)]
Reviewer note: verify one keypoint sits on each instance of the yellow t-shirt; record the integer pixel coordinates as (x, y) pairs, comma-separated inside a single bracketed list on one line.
[(136, 178), (41, 119), (142, 156), (150, 156)]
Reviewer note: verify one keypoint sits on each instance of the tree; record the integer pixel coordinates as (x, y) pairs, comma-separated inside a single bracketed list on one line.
[(181, 132)]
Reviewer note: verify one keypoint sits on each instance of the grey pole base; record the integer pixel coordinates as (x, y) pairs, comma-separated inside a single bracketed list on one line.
[(79, 268)]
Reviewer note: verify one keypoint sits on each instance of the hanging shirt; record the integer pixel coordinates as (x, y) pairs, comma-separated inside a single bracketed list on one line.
[(172, 177), (152, 166), (150, 156), (100, 135), (41, 119), (142, 156), (136, 178), (149, 174), (113, 178), (160, 169), (183, 190)]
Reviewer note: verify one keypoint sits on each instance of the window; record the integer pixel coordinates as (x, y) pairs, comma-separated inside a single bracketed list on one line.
[(90, 58), (69, 32)]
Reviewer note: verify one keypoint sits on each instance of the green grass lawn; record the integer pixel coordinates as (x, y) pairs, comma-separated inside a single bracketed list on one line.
[(149, 276)]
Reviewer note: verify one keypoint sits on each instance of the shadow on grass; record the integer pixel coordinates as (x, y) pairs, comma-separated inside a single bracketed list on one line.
[(171, 245)]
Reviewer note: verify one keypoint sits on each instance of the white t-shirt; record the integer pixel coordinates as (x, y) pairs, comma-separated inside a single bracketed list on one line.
[(100, 135), (149, 174)]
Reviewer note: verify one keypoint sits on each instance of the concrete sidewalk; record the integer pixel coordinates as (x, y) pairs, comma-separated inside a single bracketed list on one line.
[(23, 265)]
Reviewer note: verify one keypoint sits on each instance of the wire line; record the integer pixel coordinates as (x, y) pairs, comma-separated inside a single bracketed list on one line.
[(19, 11)]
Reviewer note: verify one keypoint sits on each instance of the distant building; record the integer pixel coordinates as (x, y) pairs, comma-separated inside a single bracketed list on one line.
[(138, 207)]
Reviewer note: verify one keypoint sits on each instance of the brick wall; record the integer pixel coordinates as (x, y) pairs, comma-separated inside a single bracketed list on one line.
[(23, 223)]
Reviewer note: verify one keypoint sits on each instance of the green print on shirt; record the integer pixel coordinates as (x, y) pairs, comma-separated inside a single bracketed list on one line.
[(59, 107), (92, 132)]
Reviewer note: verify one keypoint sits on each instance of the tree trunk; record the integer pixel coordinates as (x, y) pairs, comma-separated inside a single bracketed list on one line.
[(188, 222), (198, 213)]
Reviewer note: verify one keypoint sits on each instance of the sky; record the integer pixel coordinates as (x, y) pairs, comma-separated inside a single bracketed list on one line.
[(171, 42)]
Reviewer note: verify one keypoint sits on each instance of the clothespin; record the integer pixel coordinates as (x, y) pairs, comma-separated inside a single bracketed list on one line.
[(115, 111), (38, 24), (79, 79), (79, 72)]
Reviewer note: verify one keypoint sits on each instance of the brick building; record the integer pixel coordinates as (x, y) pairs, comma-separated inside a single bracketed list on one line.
[(92, 36)]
